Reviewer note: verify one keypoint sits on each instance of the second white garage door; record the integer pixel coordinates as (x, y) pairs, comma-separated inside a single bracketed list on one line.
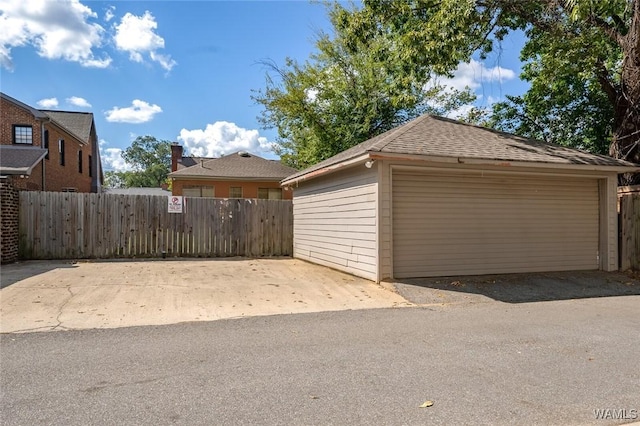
[(462, 224)]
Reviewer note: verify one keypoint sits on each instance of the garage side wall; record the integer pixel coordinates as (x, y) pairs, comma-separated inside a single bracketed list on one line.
[(335, 221)]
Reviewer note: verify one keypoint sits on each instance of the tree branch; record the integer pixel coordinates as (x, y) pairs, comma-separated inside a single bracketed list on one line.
[(607, 28), (606, 84)]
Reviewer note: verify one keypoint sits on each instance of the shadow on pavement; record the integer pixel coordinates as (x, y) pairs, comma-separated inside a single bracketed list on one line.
[(518, 288), (13, 272)]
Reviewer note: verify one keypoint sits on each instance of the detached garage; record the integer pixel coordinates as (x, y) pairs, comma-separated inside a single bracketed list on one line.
[(437, 197)]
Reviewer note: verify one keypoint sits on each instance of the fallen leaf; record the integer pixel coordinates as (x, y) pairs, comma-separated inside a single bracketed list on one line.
[(426, 404)]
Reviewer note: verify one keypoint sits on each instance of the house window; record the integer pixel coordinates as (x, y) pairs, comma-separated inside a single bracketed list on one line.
[(90, 167), (46, 143), (69, 190), (270, 193), (61, 151), (80, 161), (22, 134), (198, 191), (235, 192)]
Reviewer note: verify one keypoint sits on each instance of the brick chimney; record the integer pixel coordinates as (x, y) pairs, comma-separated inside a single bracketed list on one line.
[(176, 156)]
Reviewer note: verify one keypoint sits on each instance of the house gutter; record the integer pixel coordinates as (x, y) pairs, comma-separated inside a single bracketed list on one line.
[(458, 160), (223, 178), (326, 170), (507, 164)]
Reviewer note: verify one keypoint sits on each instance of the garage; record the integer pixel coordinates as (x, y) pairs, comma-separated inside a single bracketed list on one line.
[(438, 197), (472, 224)]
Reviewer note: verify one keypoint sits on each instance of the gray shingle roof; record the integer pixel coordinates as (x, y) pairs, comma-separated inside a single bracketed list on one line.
[(19, 160), (236, 166), (433, 136), (191, 161), (78, 123)]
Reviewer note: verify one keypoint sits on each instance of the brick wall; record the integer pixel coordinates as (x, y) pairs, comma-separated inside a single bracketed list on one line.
[(56, 175), (9, 218), (67, 176), (10, 115)]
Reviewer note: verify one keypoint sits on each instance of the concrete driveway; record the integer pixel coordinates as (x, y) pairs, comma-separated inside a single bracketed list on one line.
[(56, 295)]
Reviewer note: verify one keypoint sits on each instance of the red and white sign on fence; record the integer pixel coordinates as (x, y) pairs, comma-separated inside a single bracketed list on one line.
[(175, 203)]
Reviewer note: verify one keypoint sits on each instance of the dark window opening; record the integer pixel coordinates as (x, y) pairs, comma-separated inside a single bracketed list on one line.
[(270, 193), (80, 161), (61, 151), (90, 167), (46, 143)]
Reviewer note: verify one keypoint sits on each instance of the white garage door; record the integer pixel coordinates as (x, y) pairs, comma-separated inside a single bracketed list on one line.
[(459, 224)]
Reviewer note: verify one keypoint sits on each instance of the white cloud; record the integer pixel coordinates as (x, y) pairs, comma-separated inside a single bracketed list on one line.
[(473, 74), (221, 138), (56, 29), (108, 14), (136, 35), (79, 102), (48, 103), (138, 112), (112, 160)]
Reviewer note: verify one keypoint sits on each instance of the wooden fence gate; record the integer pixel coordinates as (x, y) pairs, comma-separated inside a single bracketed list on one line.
[(57, 225), (629, 198)]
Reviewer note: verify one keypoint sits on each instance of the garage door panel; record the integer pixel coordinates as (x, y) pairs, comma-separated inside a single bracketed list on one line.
[(460, 224)]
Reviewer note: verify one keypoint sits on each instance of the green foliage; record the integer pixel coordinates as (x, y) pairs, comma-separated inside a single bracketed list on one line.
[(580, 58), (354, 87), (566, 103), (150, 159)]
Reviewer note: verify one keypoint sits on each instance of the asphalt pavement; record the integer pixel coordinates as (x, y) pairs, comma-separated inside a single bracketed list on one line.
[(560, 362)]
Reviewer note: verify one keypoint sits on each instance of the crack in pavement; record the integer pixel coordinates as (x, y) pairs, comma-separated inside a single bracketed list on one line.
[(59, 325)]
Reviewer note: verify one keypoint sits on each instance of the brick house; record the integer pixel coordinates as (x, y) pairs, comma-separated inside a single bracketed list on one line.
[(42, 150), (237, 175)]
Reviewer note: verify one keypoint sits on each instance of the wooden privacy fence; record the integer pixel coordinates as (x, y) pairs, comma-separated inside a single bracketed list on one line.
[(57, 225), (629, 198)]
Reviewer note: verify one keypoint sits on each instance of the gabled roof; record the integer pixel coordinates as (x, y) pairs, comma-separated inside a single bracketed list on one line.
[(36, 113), (79, 124), (431, 136), (19, 160), (238, 166)]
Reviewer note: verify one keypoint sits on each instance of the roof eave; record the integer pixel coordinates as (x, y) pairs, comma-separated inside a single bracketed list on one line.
[(572, 166), (325, 170), (455, 160), (224, 178), (505, 163)]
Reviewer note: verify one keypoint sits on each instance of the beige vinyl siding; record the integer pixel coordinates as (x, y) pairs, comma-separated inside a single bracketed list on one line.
[(609, 222), (450, 223), (384, 179), (335, 221)]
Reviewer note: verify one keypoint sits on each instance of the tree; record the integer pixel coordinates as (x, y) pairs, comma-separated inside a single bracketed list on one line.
[(150, 160), (347, 92), (582, 58)]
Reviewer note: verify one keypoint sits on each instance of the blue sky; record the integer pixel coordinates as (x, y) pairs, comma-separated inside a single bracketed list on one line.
[(177, 70)]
